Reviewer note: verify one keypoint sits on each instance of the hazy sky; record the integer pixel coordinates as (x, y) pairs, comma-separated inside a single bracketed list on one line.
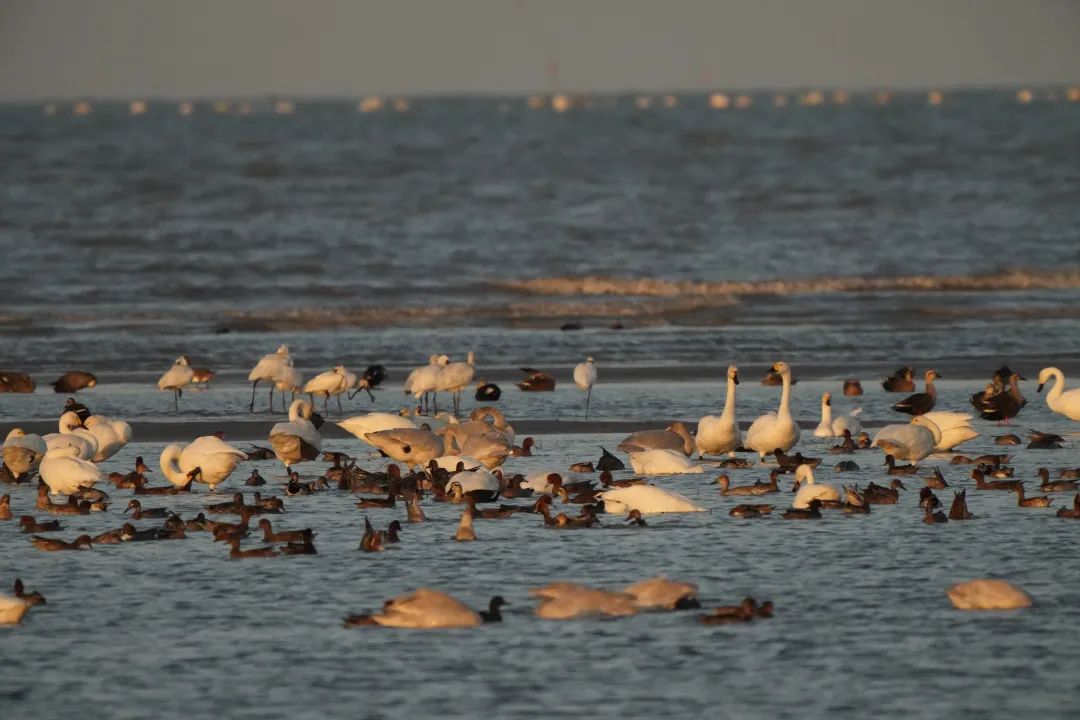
[(196, 48)]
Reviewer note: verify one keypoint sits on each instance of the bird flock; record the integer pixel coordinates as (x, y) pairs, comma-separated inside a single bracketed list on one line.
[(421, 455)]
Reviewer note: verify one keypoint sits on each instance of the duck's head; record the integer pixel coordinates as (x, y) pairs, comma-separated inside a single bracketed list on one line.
[(723, 481), (932, 375), (896, 484), (133, 505)]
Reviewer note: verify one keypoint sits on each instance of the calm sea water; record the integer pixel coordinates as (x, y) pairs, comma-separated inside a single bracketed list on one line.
[(846, 240)]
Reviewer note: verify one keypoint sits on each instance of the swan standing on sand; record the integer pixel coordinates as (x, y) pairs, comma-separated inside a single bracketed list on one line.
[(296, 440), (332, 382), (809, 490), (215, 458), (585, 378), (73, 434), (775, 430), (65, 473), (267, 369), (111, 435), (361, 425), (949, 428), (905, 441), (454, 378), (646, 499), (175, 378), (718, 434), (835, 426), (662, 462), (1062, 401), (23, 451)]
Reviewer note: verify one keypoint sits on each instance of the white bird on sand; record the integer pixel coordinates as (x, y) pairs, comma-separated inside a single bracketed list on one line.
[(809, 490), (835, 425), (585, 378), (72, 433), (663, 462), (718, 434), (331, 382), (361, 425), (111, 435), (175, 378), (65, 473), (775, 430), (23, 451), (646, 499), (296, 440), (1062, 401), (215, 459), (454, 378), (267, 369), (288, 380)]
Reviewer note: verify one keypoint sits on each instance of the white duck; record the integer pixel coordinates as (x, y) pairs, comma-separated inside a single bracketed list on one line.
[(296, 440), (1062, 401), (663, 462), (834, 426), (361, 425), (646, 499), (176, 378), (73, 434), (949, 428), (775, 430), (718, 434), (905, 441), (332, 382), (23, 451), (111, 435), (268, 368), (809, 490), (215, 458), (64, 472)]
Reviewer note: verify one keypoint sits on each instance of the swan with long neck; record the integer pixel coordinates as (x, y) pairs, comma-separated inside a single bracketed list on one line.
[(834, 426), (214, 458), (718, 434), (1062, 401), (775, 430), (810, 490)]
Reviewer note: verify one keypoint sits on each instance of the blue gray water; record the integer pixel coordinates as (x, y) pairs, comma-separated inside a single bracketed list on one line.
[(845, 240)]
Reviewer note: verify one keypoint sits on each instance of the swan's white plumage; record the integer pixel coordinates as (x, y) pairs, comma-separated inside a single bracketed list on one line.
[(948, 428), (12, 609), (663, 462), (646, 499), (775, 430), (718, 434), (215, 458), (810, 490), (905, 441), (1062, 401), (426, 609), (72, 434), (361, 425), (834, 425), (30, 449), (476, 480), (111, 435), (293, 441), (66, 473)]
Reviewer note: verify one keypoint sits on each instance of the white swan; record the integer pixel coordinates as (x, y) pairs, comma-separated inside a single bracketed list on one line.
[(64, 472), (425, 608), (454, 378), (1062, 401), (539, 481), (476, 480), (831, 426), (72, 434), (111, 435), (436, 423), (175, 378), (215, 458), (675, 436), (718, 434), (585, 378), (479, 440), (332, 382), (646, 499), (296, 440), (905, 441), (775, 430), (414, 446), (268, 368), (949, 428), (809, 490), (661, 593), (563, 601), (496, 419), (361, 425), (663, 462), (23, 451)]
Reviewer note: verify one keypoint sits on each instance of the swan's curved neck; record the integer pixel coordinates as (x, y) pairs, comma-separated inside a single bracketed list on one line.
[(826, 413), (170, 465), (729, 403), (785, 398), (1059, 387)]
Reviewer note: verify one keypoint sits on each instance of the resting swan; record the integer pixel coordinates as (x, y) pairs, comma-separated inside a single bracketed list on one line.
[(674, 437), (835, 426), (563, 601), (65, 473), (361, 425), (905, 441), (809, 490), (423, 609), (111, 435), (1062, 401), (73, 434), (949, 428), (296, 440), (663, 462), (646, 499), (23, 451), (775, 430), (718, 434), (214, 457)]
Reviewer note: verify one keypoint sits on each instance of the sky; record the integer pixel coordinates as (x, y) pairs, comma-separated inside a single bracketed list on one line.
[(214, 48)]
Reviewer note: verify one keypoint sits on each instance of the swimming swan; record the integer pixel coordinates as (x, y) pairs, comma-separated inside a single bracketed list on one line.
[(646, 499), (65, 473), (663, 462), (215, 458), (949, 428), (775, 430), (809, 490), (834, 426), (1062, 401), (905, 441), (718, 434)]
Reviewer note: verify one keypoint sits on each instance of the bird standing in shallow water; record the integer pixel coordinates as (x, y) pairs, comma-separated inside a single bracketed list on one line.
[(585, 378)]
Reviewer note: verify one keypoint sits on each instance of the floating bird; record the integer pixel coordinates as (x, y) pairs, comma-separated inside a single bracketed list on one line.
[(1063, 402), (809, 490), (920, 403), (64, 472), (900, 381), (718, 434), (1004, 405), (422, 609), (775, 430), (16, 382), (111, 435), (74, 381), (831, 426), (537, 381), (213, 457), (675, 437), (296, 440)]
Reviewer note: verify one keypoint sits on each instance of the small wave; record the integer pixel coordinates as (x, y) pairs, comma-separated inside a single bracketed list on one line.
[(729, 289)]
